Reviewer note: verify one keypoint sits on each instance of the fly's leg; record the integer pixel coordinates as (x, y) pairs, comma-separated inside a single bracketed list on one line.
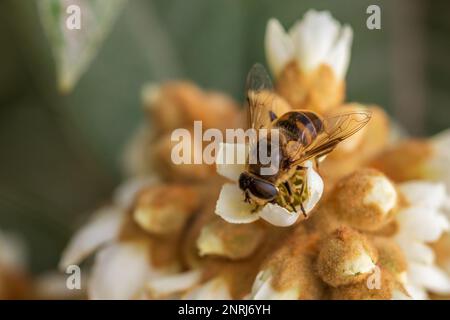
[(248, 200), (288, 187), (302, 189), (247, 197), (272, 116), (301, 203), (292, 207)]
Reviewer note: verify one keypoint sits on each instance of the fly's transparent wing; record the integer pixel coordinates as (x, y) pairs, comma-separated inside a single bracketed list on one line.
[(259, 97), (333, 130)]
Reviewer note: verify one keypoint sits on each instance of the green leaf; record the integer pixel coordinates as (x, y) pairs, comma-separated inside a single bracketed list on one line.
[(74, 49)]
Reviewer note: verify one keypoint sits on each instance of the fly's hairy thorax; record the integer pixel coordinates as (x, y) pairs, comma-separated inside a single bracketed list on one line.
[(296, 130), (300, 127)]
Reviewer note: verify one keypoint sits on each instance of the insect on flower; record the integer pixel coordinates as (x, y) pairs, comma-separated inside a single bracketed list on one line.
[(302, 135)]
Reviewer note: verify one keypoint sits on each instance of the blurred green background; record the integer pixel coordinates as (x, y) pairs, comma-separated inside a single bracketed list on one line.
[(60, 154)]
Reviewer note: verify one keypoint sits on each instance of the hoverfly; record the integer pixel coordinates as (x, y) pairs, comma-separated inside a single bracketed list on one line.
[(302, 135)]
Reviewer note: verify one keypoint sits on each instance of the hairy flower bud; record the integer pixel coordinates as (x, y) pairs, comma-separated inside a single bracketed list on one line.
[(164, 209), (365, 199), (346, 257), (234, 241), (387, 288)]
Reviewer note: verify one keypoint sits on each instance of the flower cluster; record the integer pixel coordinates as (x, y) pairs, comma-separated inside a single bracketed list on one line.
[(377, 224)]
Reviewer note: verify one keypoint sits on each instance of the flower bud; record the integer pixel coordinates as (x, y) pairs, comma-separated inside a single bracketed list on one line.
[(386, 287), (164, 209), (405, 161), (214, 289), (365, 199), (346, 257), (168, 169), (318, 90), (289, 272), (233, 241), (178, 104), (189, 250), (310, 60), (172, 286)]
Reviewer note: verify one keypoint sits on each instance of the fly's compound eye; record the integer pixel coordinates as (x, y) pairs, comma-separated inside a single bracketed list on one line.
[(263, 189), (244, 181)]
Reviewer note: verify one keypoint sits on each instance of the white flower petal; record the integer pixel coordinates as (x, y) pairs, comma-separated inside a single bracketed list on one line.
[(446, 207), (263, 290), (278, 45), (359, 265), (339, 56), (399, 295), (214, 289), (415, 250), (416, 292), (120, 271), (126, 192), (315, 189), (230, 160), (424, 193), (422, 223), (278, 216), (442, 140), (208, 242), (313, 38), (320, 39), (170, 284), (430, 277), (231, 206), (382, 194), (260, 279), (402, 277), (103, 227)]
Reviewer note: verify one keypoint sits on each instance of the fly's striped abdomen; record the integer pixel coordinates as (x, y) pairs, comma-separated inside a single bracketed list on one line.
[(299, 126)]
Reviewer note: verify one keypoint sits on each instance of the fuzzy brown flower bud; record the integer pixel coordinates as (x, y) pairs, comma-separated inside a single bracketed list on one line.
[(318, 90), (388, 288), (164, 209), (184, 172), (233, 241), (365, 199), (405, 161), (346, 257), (289, 272), (178, 104)]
